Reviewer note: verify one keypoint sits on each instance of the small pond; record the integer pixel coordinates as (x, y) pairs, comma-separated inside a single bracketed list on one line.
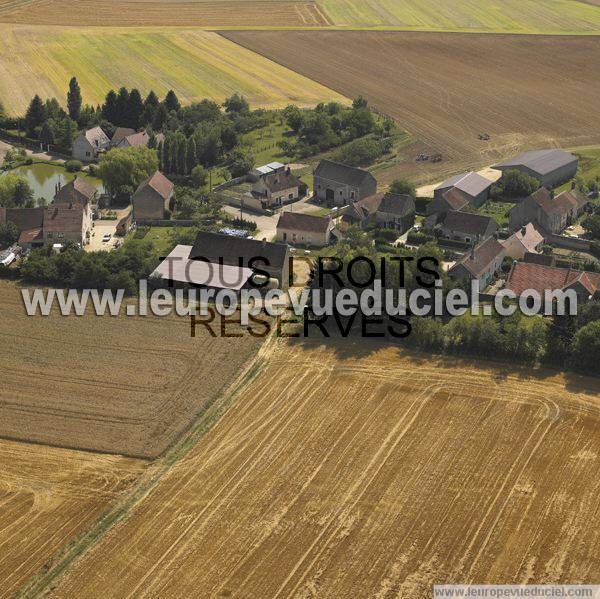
[(43, 179)]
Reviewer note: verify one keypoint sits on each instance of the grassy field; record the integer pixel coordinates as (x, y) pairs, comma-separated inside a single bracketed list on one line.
[(49, 496), (517, 16), (197, 64), (446, 89), (132, 384), (337, 473)]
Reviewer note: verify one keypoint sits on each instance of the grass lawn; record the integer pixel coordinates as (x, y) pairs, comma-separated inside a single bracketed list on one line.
[(497, 210), (589, 166), (196, 64), (519, 16)]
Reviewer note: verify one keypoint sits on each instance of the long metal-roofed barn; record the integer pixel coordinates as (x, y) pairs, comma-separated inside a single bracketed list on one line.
[(551, 167), (225, 262)]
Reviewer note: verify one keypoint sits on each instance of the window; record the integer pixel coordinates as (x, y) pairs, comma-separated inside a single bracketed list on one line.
[(87, 154), (352, 194), (291, 196)]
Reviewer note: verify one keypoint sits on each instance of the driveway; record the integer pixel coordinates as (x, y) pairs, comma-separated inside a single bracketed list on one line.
[(101, 228)]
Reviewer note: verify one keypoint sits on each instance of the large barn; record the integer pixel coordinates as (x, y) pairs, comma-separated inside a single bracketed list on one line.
[(550, 167)]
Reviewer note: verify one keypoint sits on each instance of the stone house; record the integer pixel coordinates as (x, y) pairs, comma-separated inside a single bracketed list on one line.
[(90, 144), (527, 240), (549, 213), (303, 229), (152, 198), (481, 264), (277, 188), (468, 227), (337, 184)]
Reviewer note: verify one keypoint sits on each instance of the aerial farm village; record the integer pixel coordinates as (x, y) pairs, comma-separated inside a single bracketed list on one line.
[(157, 456)]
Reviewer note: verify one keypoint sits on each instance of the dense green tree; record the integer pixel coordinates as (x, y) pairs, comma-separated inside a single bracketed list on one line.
[(47, 134), (586, 348), (122, 107), (35, 116), (109, 108), (359, 103), (592, 225), (151, 104), (65, 131), (171, 101), (515, 184), (9, 234), (191, 155), (74, 99), (403, 186), (199, 175), (294, 117), (15, 191), (240, 162), (160, 118), (135, 107), (123, 169), (236, 104)]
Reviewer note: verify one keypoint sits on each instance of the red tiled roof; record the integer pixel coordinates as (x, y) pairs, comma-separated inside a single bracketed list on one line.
[(483, 255), (159, 183), (525, 275), (76, 190), (30, 235), (455, 198)]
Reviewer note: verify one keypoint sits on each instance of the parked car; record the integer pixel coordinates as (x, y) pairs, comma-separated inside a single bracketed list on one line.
[(106, 237)]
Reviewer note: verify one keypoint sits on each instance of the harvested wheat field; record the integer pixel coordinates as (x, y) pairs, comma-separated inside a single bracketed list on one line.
[(125, 385), (196, 64), (47, 497), (446, 89), (202, 13), (368, 473)]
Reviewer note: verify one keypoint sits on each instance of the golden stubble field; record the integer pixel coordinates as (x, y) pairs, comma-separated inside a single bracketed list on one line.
[(526, 91), (47, 497), (350, 471), (202, 13), (120, 385)]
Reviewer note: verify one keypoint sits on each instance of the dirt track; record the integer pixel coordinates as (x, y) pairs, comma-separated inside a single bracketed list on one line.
[(48, 496), (127, 385), (368, 474), (446, 89)]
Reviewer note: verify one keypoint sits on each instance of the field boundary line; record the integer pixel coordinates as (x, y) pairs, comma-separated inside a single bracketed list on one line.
[(43, 580)]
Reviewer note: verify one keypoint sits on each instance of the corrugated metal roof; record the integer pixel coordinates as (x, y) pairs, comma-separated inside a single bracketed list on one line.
[(178, 266), (540, 161), (471, 183)]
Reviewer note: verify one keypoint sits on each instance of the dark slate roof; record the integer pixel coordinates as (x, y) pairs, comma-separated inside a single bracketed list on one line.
[(236, 251), (303, 222), (466, 222), (25, 218), (342, 173), (396, 203), (63, 218), (482, 256), (77, 190), (540, 161)]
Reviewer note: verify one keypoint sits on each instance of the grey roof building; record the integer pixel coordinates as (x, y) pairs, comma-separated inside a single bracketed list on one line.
[(551, 167), (473, 186), (339, 184)]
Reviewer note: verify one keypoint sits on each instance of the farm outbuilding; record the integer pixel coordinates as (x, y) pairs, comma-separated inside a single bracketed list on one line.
[(473, 186), (551, 167)]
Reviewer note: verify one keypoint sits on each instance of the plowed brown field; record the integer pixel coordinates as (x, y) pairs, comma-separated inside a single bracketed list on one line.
[(367, 473), (446, 89), (203, 13), (47, 497), (127, 385)]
